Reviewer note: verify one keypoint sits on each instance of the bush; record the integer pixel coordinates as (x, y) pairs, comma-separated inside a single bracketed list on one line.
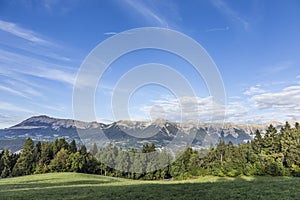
[(248, 170), (233, 173), (275, 168), (184, 176), (295, 170)]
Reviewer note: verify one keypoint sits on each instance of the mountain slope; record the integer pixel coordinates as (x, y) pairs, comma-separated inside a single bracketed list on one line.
[(126, 134)]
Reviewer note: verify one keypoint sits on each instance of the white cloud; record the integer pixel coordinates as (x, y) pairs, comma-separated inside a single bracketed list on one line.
[(286, 101), (235, 97), (263, 108), (185, 108), (298, 76), (236, 109), (21, 32), (254, 90), (288, 97)]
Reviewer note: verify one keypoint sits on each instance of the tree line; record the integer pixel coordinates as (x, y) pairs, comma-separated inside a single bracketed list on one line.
[(276, 153)]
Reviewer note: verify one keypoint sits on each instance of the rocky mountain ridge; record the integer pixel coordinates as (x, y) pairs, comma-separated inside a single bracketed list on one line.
[(128, 134)]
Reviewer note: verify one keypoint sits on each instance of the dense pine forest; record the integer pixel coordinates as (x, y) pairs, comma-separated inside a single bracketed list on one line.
[(276, 153)]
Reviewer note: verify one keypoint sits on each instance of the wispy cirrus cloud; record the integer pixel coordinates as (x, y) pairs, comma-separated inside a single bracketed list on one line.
[(28, 41), (148, 12), (15, 108), (31, 67), (11, 113), (6, 119), (27, 90), (51, 7), (19, 64), (9, 120), (110, 33), (224, 8), (52, 74), (12, 91), (218, 29), (280, 66), (17, 31)]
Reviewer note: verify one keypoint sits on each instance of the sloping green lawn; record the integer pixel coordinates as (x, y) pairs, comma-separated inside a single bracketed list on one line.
[(84, 186)]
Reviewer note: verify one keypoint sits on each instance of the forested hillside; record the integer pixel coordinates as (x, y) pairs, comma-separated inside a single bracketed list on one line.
[(275, 154)]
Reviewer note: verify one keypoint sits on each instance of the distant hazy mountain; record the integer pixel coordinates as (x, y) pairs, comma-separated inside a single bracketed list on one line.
[(126, 134)]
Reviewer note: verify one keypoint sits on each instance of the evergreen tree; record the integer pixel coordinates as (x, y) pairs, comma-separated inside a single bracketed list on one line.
[(54, 148), (73, 147), (274, 154), (6, 164), (75, 162), (297, 126), (1, 161), (139, 165), (45, 158), (148, 148), (286, 127), (268, 141), (37, 152), (108, 157), (63, 144), (123, 161), (257, 142), (180, 165), (94, 149), (164, 163), (83, 150), (25, 163), (59, 162), (152, 165), (91, 165)]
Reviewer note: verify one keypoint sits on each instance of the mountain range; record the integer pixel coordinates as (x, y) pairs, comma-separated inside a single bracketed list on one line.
[(127, 134)]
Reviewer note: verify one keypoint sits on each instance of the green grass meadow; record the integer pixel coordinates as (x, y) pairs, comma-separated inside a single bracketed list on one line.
[(84, 186)]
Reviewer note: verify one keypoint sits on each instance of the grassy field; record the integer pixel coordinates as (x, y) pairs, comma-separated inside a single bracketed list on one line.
[(83, 186)]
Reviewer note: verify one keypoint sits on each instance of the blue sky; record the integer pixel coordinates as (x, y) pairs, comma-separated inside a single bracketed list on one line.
[(255, 45)]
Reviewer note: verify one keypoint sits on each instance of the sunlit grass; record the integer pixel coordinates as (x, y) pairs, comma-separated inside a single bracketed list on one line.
[(84, 186)]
